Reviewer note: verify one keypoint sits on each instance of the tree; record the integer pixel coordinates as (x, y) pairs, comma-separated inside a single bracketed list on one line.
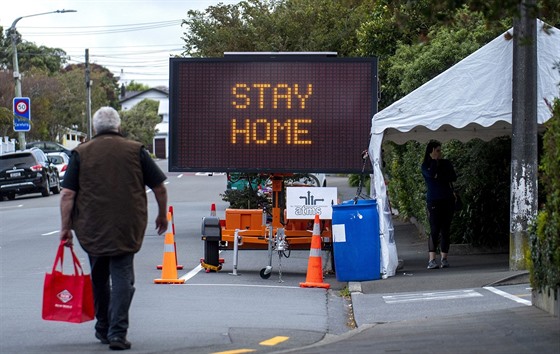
[(493, 10), (6, 121), (416, 63), (30, 56), (268, 25), (72, 106), (139, 122), (136, 86), (545, 238)]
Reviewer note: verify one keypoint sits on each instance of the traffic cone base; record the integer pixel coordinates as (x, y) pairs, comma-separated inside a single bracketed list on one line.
[(315, 285), (314, 277)]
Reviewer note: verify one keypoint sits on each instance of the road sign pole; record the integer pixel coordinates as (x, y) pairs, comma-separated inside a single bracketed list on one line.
[(21, 135)]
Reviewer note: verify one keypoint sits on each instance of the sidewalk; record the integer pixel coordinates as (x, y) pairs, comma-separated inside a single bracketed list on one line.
[(467, 270), (524, 329)]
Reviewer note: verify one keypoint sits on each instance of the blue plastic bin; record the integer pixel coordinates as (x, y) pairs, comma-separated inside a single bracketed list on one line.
[(356, 241)]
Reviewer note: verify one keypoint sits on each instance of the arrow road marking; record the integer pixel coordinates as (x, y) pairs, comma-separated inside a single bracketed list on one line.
[(440, 295)]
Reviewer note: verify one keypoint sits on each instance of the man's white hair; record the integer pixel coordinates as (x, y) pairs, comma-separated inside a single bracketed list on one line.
[(106, 119)]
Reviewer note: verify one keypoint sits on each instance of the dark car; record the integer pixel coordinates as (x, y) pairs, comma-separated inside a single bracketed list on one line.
[(27, 171), (49, 146)]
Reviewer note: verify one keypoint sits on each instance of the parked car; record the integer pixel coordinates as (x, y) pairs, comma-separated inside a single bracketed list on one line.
[(237, 180), (49, 146), (240, 181), (27, 171), (60, 160)]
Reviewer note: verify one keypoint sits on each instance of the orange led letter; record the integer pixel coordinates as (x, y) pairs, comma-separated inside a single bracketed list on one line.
[(261, 88), (246, 131), (287, 95), (303, 97), (263, 122), (286, 127), (240, 91), (298, 131)]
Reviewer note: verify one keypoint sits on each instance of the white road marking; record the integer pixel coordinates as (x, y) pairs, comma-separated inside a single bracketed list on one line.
[(439, 295), (50, 233), (248, 286), (192, 273), (148, 190), (508, 296), (11, 207), (181, 175)]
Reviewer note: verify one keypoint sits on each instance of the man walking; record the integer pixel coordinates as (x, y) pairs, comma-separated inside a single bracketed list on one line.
[(104, 201)]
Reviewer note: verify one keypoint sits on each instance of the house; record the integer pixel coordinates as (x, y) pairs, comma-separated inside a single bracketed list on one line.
[(72, 138), (132, 98), (161, 139), (161, 94)]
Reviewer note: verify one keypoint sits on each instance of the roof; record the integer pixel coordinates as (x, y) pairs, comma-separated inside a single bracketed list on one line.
[(473, 98), (137, 94)]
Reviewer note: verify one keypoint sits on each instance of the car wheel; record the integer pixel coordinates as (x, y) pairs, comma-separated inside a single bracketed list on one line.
[(56, 188), (11, 196), (46, 189)]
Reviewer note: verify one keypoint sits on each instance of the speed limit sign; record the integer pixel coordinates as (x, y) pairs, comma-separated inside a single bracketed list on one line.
[(22, 114)]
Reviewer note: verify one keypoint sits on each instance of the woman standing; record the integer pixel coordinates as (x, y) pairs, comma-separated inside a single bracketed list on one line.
[(439, 176)]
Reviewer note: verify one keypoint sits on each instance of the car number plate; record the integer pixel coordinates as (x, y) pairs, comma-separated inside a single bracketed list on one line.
[(15, 174)]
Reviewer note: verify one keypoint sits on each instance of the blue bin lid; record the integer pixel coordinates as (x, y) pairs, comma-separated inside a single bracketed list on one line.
[(360, 201)]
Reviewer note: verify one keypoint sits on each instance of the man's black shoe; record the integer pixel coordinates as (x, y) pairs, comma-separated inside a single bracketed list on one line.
[(102, 337), (119, 343)]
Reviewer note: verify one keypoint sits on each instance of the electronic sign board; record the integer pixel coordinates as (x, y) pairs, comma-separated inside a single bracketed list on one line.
[(277, 114)]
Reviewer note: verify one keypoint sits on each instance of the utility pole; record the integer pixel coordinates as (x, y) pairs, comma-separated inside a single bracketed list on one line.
[(17, 74), (88, 97), (524, 150)]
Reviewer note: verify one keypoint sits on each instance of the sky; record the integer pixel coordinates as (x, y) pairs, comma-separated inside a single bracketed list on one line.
[(132, 38)]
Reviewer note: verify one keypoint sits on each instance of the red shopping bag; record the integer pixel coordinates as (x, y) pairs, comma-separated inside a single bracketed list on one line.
[(67, 297)]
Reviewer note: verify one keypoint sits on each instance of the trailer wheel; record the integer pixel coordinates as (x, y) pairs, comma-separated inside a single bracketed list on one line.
[(265, 275)]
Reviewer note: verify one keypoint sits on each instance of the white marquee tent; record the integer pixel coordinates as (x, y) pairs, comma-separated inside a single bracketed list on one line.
[(472, 99)]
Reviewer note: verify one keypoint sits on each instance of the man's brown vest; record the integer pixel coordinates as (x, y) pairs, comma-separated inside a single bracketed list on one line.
[(110, 210)]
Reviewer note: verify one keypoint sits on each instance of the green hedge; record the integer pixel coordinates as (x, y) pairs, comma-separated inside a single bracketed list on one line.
[(544, 264), (483, 170)]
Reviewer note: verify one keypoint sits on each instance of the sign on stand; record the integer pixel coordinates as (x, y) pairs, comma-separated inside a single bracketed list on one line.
[(278, 113), (22, 114), (305, 202)]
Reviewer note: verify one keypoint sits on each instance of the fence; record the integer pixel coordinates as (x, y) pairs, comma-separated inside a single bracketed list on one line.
[(7, 145)]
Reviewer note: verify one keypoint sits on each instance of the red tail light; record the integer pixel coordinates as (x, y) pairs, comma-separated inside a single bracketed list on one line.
[(64, 168), (36, 168)]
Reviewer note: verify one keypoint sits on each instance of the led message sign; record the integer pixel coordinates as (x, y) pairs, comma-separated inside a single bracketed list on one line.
[(280, 115)]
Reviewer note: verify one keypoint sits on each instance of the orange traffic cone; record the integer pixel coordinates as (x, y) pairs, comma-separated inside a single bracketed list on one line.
[(169, 269), (314, 277), (179, 266)]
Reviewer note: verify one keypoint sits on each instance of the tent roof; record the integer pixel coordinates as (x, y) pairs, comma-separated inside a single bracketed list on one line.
[(472, 99)]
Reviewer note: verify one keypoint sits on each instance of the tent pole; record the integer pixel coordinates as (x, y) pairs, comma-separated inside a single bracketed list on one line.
[(524, 149)]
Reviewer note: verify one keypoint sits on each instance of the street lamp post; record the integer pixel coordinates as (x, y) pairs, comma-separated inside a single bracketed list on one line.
[(17, 76)]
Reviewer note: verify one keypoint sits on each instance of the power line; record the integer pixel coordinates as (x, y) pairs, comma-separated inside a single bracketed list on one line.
[(125, 25), (63, 31)]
